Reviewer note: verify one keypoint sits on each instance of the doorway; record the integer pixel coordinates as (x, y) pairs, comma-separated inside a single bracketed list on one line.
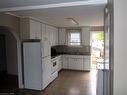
[(97, 48), (8, 62)]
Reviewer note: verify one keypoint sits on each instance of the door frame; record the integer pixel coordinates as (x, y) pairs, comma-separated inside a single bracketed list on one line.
[(19, 57)]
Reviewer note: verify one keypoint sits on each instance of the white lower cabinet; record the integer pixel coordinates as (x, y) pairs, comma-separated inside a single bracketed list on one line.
[(60, 63), (86, 64), (46, 65), (65, 62), (76, 62)]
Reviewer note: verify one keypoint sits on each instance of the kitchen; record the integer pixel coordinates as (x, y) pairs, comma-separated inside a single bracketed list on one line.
[(55, 42), (63, 47), (55, 51)]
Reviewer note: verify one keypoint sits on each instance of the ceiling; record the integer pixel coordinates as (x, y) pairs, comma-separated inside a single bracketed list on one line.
[(85, 15), (19, 3)]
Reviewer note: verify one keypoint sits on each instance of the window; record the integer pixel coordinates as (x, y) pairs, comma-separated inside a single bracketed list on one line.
[(74, 37)]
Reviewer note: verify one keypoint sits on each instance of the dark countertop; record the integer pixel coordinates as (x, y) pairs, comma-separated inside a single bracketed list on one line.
[(75, 53)]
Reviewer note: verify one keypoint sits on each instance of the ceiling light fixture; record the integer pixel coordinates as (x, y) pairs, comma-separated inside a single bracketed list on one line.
[(72, 20)]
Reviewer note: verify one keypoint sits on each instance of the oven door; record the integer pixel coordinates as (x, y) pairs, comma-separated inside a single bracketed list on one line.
[(54, 66)]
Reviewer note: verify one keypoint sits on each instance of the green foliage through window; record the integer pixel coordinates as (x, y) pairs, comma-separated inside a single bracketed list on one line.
[(100, 36)]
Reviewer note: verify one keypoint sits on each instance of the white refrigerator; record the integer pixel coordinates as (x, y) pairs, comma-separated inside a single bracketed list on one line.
[(36, 64)]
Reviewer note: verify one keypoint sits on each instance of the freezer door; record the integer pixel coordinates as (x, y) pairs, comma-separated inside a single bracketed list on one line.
[(32, 65)]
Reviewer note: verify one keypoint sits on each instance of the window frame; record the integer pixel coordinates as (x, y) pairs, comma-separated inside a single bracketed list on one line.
[(69, 31)]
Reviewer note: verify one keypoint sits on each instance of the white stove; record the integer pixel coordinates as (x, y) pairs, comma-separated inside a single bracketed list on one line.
[(54, 68)]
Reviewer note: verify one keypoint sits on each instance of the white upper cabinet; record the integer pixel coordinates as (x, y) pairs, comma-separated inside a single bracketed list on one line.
[(86, 36), (52, 35), (43, 32), (55, 36), (62, 36), (32, 29), (35, 29), (48, 31)]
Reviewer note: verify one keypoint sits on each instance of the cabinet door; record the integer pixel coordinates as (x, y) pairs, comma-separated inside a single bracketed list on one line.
[(76, 63), (53, 36), (62, 36), (35, 30), (46, 67), (60, 63), (79, 64), (54, 39), (65, 63), (56, 36), (48, 31), (86, 36), (43, 30), (71, 63), (87, 63)]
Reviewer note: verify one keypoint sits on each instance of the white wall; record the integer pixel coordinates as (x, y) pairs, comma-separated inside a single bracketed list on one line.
[(13, 23), (120, 47)]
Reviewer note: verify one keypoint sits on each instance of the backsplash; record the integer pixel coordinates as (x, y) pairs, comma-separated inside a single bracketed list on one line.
[(77, 50)]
